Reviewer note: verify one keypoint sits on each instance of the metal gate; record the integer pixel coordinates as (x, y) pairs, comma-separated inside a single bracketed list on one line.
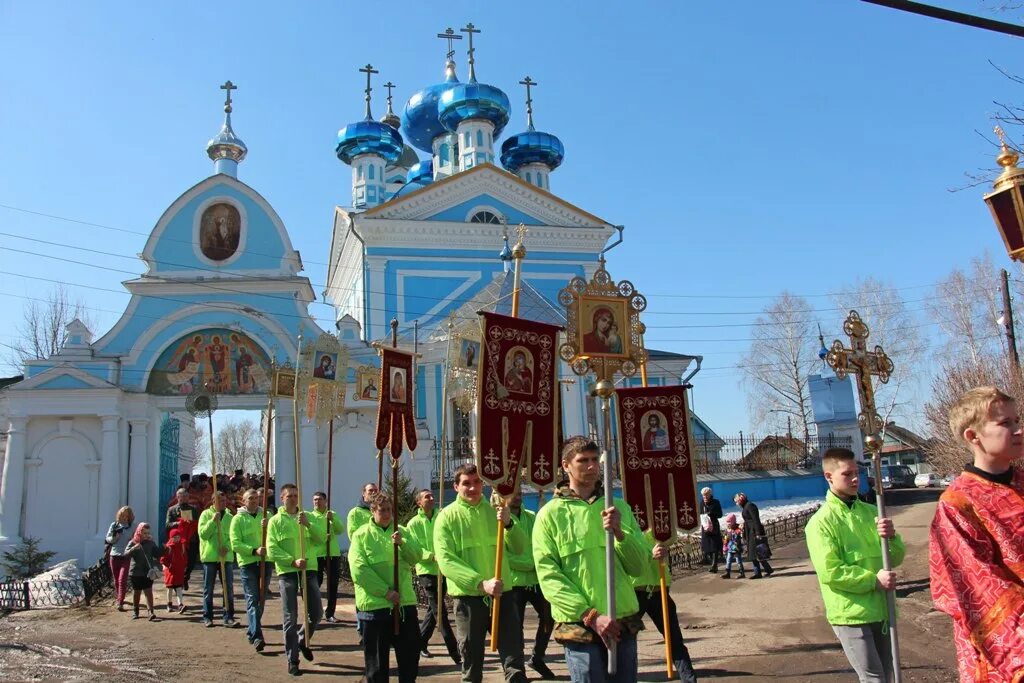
[(170, 429)]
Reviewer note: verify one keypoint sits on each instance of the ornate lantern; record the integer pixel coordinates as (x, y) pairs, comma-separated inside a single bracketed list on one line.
[(1006, 201)]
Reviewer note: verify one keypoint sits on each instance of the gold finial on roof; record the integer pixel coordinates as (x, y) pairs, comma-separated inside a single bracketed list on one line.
[(1008, 157), (519, 250)]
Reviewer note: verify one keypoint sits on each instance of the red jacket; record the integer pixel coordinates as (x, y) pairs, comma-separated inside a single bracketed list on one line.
[(175, 560)]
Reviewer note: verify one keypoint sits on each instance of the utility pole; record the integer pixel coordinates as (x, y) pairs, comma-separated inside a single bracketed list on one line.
[(1011, 337)]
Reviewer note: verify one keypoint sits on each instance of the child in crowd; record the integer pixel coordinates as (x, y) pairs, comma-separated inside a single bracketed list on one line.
[(732, 547), (145, 565), (175, 561)]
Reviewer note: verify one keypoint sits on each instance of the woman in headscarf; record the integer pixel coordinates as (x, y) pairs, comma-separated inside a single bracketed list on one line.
[(145, 554), (710, 531)]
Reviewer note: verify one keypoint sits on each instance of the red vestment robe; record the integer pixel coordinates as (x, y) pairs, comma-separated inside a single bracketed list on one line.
[(977, 575)]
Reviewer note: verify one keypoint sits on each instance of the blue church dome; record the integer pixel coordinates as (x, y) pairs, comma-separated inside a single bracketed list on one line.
[(421, 172), (473, 100), (420, 124), (369, 137), (532, 147)]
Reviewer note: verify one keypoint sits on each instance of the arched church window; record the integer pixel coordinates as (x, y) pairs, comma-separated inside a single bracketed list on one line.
[(370, 172), (485, 217), (529, 177), (442, 154), (220, 229), (480, 138), (466, 139)]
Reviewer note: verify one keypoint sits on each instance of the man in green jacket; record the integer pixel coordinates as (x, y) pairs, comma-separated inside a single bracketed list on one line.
[(843, 538), (526, 588), (569, 541), (214, 549), (372, 560), (648, 595), (421, 528), (465, 544), (293, 557), (360, 514), (247, 541), (323, 518)]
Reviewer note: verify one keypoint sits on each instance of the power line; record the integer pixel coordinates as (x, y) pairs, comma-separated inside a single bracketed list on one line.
[(952, 16)]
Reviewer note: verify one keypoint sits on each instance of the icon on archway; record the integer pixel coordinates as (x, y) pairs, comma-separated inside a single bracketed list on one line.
[(220, 230)]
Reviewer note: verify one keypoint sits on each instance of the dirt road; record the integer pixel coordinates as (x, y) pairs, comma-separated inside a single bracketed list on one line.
[(737, 631)]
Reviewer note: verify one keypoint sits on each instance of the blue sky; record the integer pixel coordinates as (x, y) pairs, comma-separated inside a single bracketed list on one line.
[(747, 147)]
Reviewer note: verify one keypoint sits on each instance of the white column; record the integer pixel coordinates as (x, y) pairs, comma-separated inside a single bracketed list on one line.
[(446, 151), (13, 484), (110, 469), (186, 441), (535, 174), (138, 471), (283, 445), (377, 326), (368, 186), (476, 145)]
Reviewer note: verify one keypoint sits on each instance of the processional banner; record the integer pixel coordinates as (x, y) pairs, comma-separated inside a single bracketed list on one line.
[(517, 401), (658, 479), (323, 371), (395, 414)]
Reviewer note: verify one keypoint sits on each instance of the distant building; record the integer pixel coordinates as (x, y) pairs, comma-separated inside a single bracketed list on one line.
[(903, 447), (834, 410), (776, 453)]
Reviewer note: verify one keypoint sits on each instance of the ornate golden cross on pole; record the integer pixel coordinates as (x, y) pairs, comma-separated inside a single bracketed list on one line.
[(864, 365)]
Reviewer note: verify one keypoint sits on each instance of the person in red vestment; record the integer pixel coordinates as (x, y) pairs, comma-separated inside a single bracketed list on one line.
[(977, 541)]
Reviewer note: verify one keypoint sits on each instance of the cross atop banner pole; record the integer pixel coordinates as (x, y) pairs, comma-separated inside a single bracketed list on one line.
[(863, 365)]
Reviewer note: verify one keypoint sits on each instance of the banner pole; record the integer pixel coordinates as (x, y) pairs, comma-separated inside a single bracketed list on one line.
[(442, 452), (266, 493), (330, 464), (604, 389), (396, 612), (220, 538), (298, 487)]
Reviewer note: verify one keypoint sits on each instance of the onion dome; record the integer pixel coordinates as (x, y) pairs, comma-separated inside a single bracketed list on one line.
[(390, 117), (532, 146), (421, 172), (369, 136), (420, 124), (473, 100), (227, 145)]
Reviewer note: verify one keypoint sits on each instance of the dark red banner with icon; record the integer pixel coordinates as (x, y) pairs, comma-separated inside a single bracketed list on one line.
[(395, 415)]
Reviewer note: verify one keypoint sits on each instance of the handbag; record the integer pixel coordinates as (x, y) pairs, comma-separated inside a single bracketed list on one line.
[(706, 524), (762, 550), (154, 573)]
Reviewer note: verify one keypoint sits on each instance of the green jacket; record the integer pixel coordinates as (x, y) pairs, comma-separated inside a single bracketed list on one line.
[(372, 561), (523, 571), (209, 550), (319, 519), (465, 544), (847, 554), (283, 542), (246, 535), (421, 528), (357, 517), (568, 551), (650, 576)]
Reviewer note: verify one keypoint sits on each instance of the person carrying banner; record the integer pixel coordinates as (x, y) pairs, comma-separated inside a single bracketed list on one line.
[(421, 528), (526, 589), (214, 550), (843, 539), (247, 542), (648, 595), (465, 544), (569, 554), (360, 514), (977, 540), (371, 558), (283, 550), (319, 517)]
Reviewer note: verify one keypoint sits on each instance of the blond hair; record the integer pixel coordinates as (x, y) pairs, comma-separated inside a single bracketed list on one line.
[(973, 408), (125, 513)]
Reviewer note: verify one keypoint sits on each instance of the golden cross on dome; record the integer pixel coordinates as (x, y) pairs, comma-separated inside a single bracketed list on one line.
[(450, 35), (228, 86), (369, 71), (998, 130)]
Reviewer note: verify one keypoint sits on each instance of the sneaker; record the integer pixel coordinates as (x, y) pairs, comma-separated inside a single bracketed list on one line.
[(424, 652), (713, 570), (120, 607), (756, 576), (135, 615), (293, 669), (152, 616), (727, 575), (208, 623), (231, 623), (769, 572), (259, 644), (538, 665), (181, 609), (170, 607), (307, 654), (331, 620)]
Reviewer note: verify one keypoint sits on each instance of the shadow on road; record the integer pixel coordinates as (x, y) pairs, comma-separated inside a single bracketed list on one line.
[(910, 587), (905, 497)]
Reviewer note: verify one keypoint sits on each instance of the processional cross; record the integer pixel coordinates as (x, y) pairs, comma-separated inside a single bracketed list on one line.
[(450, 35), (864, 364)]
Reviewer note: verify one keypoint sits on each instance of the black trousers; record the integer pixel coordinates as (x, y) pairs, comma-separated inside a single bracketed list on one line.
[(428, 582), (378, 639), (332, 580), (650, 604), (531, 595), (193, 555)]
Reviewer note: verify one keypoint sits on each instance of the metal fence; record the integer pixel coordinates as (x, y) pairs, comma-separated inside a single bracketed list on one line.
[(23, 594), (686, 555)]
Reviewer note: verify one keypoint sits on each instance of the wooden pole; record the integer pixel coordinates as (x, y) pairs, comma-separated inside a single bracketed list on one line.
[(441, 481), (298, 488), (396, 612), (1011, 335), (266, 492), (220, 538), (330, 464), (605, 389)]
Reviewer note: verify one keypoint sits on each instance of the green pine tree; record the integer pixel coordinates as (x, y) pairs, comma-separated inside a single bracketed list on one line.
[(26, 560), (406, 495)]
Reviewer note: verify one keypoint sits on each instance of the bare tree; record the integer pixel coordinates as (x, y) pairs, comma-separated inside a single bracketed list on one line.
[(966, 307), (200, 454), (238, 446), (781, 356), (41, 333)]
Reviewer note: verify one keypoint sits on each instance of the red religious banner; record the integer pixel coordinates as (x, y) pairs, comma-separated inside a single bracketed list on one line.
[(517, 401), (395, 421), (658, 479)]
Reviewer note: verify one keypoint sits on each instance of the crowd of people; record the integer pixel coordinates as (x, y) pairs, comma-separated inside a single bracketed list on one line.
[(554, 561)]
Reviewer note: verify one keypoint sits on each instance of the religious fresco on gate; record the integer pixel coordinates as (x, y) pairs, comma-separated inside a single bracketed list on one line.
[(222, 360)]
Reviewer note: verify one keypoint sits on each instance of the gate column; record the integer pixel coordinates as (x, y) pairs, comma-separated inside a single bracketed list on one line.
[(110, 467)]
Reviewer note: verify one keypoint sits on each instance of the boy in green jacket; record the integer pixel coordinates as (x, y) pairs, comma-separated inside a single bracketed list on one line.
[(372, 560), (247, 541), (421, 528), (283, 548), (465, 544), (569, 541), (843, 538), (214, 548), (321, 517)]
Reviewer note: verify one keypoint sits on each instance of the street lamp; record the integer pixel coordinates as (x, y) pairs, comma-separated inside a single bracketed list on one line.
[(1006, 201)]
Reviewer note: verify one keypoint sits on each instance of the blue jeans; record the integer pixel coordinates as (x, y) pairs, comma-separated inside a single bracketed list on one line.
[(588, 662), (251, 587), (210, 572)]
